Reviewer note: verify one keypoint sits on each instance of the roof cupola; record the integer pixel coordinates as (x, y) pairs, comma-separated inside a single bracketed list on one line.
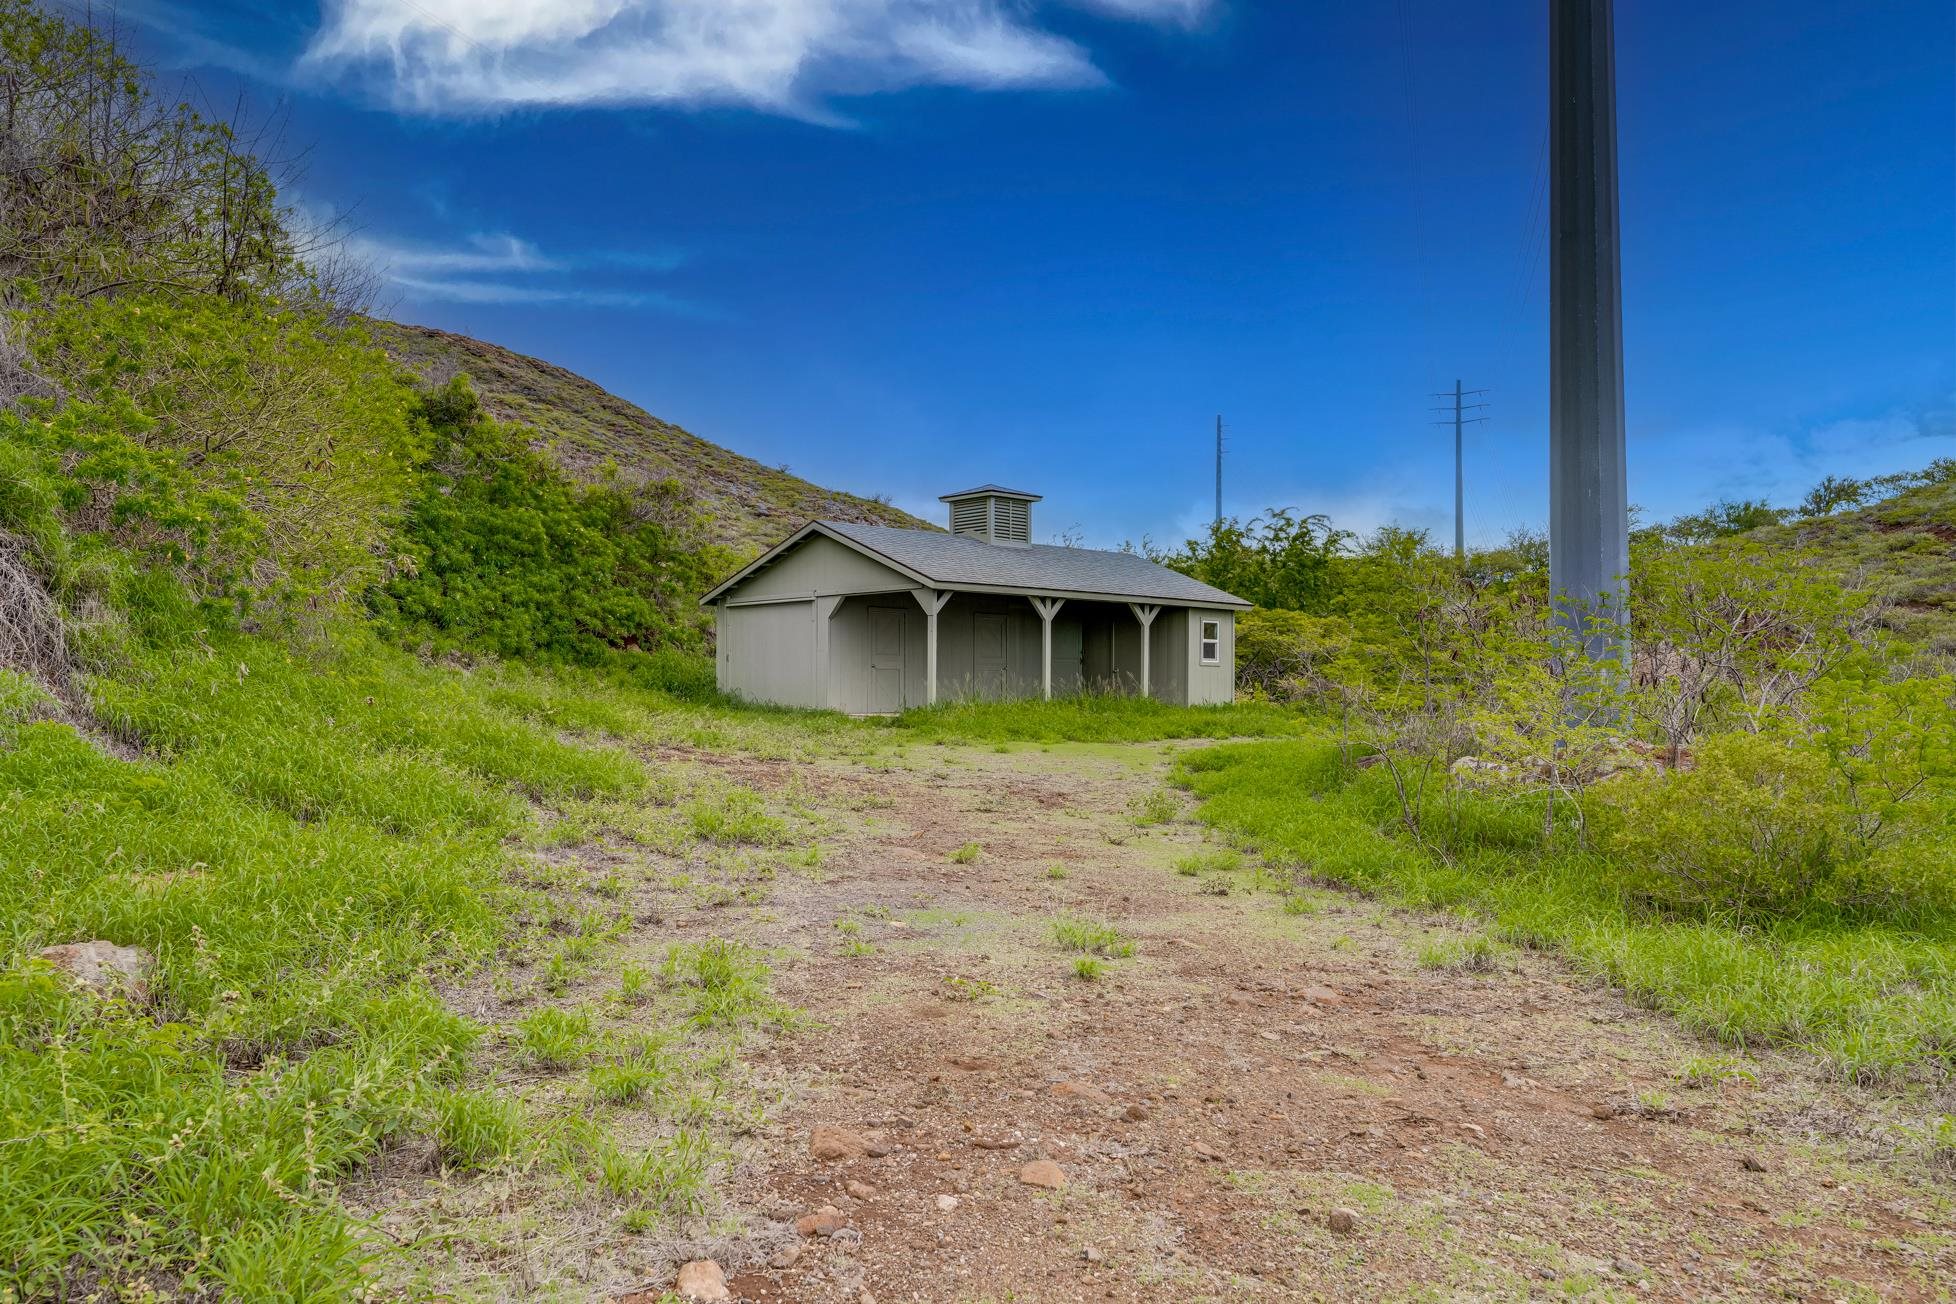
[(992, 513)]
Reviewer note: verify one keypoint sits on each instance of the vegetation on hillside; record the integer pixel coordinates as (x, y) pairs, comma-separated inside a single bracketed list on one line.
[(501, 552), (596, 436)]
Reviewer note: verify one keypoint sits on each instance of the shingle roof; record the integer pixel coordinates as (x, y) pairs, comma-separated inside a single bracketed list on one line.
[(954, 560)]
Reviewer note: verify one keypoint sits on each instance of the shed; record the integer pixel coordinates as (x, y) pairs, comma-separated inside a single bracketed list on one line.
[(873, 619)]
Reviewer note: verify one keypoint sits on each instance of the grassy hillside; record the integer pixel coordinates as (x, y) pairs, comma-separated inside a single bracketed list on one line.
[(749, 506), (1902, 548)]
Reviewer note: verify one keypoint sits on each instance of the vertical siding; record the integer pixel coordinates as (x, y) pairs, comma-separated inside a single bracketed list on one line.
[(767, 653), (1168, 659)]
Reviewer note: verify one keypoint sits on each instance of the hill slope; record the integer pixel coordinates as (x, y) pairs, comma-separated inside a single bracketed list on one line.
[(750, 506), (1903, 548)]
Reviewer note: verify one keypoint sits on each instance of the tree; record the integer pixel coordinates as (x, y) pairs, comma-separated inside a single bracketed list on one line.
[(1277, 559)]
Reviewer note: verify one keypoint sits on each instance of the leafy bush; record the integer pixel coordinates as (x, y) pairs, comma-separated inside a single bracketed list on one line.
[(1284, 655), (503, 553), (1278, 559), (1765, 826)]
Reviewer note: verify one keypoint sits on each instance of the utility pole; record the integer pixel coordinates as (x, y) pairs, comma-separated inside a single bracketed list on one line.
[(1218, 470), (1460, 418), (1589, 510)]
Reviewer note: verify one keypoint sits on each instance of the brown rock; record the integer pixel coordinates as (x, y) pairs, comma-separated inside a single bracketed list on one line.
[(104, 969), (827, 1142), (1323, 996), (1206, 1152), (1342, 1221), (702, 1279), (1043, 1173), (821, 1223), (860, 1190), (1082, 1091)]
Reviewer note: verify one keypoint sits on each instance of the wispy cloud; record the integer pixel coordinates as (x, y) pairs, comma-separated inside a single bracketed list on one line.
[(782, 56), (501, 267)]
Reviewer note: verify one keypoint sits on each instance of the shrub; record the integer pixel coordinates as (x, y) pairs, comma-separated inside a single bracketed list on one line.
[(1283, 655), (1765, 827)]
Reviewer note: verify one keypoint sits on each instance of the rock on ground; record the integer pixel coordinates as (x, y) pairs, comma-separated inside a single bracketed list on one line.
[(702, 1280), (103, 968), (1043, 1173)]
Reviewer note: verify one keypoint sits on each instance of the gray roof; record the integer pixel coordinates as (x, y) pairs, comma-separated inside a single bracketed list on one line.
[(955, 561)]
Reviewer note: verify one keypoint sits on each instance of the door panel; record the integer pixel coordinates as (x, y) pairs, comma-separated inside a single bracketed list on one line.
[(886, 659), (988, 654), (1069, 657)]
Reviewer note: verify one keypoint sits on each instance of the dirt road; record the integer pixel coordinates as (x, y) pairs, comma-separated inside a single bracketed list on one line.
[(1256, 1104)]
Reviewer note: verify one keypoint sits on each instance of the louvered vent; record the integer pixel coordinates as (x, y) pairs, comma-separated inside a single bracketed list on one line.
[(1011, 521), (970, 517)]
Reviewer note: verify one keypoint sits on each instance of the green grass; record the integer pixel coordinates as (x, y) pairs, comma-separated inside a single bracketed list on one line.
[(1878, 1001), (1073, 934), (725, 982), (476, 1129), (556, 1039), (1210, 860), (312, 841), (1476, 954), (1091, 718), (967, 854), (1089, 967)]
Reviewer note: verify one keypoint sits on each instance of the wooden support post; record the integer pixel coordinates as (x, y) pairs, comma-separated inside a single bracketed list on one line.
[(1145, 612), (1047, 609), (932, 601)]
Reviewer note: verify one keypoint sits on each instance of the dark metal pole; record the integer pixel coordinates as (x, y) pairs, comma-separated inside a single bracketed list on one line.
[(1219, 469), (1459, 482), (1589, 513)]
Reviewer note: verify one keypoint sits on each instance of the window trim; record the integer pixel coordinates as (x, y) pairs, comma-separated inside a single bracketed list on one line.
[(1208, 646)]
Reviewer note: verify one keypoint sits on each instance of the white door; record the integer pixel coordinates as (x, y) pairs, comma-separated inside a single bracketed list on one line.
[(886, 659)]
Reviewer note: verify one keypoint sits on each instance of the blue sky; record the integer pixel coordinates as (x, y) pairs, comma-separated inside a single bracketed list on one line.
[(901, 246)]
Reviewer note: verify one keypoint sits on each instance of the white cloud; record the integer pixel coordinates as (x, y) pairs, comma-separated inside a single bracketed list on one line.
[(495, 267), (483, 56), (485, 252)]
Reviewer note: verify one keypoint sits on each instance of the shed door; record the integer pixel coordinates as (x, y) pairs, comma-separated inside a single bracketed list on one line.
[(886, 659), (988, 654), (1069, 657)]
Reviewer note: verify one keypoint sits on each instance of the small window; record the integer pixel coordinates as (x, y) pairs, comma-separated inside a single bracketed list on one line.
[(1212, 642)]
